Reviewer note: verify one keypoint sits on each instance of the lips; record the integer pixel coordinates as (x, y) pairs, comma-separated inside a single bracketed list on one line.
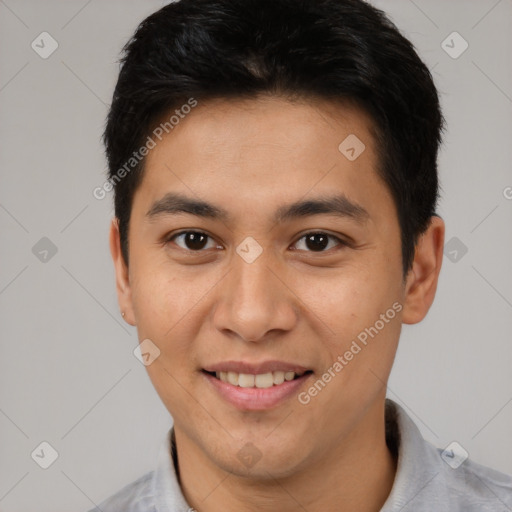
[(262, 375), (256, 386)]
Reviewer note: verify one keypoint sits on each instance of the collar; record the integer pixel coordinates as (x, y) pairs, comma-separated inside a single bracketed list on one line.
[(418, 467)]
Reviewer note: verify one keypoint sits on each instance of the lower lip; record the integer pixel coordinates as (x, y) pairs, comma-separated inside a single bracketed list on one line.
[(256, 399)]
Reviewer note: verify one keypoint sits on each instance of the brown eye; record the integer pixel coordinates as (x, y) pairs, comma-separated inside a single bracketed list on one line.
[(318, 242), (192, 240)]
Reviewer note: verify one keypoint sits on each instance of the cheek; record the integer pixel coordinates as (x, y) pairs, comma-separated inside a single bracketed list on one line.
[(169, 305), (360, 311), (167, 313), (155, 299), (349, 299), (159, 299)]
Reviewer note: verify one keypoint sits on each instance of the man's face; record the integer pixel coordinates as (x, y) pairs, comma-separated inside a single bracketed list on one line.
[(215, 303)]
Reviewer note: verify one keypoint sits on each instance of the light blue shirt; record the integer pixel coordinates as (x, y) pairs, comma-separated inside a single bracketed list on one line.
[(425, 480)]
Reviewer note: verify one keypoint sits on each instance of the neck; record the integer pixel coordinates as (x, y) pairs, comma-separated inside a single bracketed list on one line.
[(357, 473)]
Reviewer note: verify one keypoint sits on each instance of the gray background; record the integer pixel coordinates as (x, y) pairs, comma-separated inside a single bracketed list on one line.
[(67, 372)]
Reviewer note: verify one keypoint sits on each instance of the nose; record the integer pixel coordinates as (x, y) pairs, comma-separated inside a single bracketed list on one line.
[(255, 301)]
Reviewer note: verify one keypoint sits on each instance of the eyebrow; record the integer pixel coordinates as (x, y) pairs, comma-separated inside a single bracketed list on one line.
[(338, 205)]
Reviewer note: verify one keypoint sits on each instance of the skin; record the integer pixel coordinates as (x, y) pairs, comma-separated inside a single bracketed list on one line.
[(291, 304)]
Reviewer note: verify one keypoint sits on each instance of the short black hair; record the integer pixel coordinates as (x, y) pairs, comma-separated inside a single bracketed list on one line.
[(337, 50)]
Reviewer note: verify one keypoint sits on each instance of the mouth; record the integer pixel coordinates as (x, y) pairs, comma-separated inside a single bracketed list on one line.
[(256, 387), (260, 380)]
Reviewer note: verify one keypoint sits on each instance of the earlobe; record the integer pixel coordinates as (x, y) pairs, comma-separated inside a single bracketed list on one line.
[(422, 279), (124, 294)]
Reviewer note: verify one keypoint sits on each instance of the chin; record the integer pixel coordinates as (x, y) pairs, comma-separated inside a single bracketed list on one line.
[(260, 456)]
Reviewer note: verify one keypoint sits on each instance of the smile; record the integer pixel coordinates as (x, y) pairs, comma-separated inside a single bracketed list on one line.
[(256, 387), (261, 380)]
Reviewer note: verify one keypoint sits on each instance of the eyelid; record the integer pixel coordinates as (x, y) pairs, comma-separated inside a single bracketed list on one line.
[(171, 236), (340, 241)]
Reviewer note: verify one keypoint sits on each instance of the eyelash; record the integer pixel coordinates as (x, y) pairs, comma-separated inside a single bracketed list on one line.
[(339, 241)]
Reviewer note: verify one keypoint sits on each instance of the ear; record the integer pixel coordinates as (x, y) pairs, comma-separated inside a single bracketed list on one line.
[(421, 283), (124, 292)]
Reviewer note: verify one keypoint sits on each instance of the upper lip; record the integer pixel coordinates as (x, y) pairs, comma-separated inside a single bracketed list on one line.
[(255, 368)]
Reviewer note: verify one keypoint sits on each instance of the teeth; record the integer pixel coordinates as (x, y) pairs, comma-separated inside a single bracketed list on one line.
[(246, 380), (278, 378), (262, 380), (233, 378)]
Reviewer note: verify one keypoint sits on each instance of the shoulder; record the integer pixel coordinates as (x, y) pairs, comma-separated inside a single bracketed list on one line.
[(134, 497), (472, 487), (429, 478)]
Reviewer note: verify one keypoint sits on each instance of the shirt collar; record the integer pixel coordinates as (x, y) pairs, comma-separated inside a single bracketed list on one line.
[(417, 467), (166, 488)]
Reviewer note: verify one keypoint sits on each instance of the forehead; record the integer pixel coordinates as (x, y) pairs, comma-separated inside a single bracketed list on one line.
[(269, 123), (266, 150)]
